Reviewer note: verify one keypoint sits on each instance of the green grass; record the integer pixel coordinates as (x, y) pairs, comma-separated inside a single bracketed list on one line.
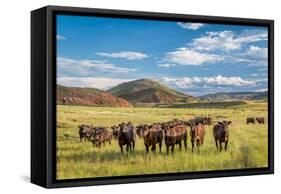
[(75, 159)]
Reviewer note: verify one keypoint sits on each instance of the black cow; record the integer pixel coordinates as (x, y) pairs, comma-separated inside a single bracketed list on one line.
[(221, 134), (140, 129), (209, 120), (115, 131), (202, 120), (127, 136), (250, 120), (85, 132)]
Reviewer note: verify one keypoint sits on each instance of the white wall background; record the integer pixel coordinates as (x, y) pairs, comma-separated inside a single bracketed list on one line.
[(15, 94)]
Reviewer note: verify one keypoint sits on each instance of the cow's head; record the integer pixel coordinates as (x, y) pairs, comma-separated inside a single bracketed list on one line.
[(140, 129), (165, 127), (191, 124), (122, 126), (225, 124)]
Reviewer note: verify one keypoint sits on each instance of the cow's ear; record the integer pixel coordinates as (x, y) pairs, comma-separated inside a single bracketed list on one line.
[(220, 123), (229, 122)]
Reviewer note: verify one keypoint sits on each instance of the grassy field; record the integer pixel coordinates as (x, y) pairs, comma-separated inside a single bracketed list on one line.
[(75, 159)]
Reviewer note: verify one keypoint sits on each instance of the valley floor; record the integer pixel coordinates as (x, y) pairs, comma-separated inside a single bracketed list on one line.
[(75, 159)]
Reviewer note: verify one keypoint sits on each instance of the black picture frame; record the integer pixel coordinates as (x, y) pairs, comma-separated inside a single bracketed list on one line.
[(43, 96)]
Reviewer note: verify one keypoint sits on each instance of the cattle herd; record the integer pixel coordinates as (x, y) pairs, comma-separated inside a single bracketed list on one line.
[(173, 133)]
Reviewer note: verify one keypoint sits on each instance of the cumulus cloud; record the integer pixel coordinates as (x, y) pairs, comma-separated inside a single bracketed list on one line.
[(228, 81), (90, 82), (256, 52), (254, 56), (262, 69), (86, 67), (129, 55), (187, 82), (166, 65), (261, 90), (222, 46), (190, 26), (185, 56), (227, 40), (60, 37), (184, 82)]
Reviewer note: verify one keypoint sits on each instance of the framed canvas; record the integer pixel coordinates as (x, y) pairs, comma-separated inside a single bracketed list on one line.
[(126, 96)]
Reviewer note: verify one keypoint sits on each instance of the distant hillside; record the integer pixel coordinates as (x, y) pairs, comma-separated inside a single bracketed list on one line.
[(149, 91), (89, 97), (222, 96)]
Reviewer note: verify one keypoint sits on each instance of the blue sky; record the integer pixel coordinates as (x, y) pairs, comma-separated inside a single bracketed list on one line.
[(195, 58)]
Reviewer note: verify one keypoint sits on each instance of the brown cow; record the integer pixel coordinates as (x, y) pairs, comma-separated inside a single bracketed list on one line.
[(152, 135), (175, 135), (260, 120), (197, 133), (250, 120), (221, 134), (100, 136)]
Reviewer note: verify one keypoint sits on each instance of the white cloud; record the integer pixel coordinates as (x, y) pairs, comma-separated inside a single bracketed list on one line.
[(129, 55), (253, 55), (228, 81), (60, 37), (254, 75), (184, 82), (258, 56), (222, 46), (261, 90), (166, 65), (185, 56), (190, 26), (253, 35), (256, 52), (98, 82), (216, 40), (87, 66), (227, 40), (187, 82), (262, 69)]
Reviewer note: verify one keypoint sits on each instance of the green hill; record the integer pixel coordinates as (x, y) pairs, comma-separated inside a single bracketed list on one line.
[(88, 97), (149, 91), (222, 96)]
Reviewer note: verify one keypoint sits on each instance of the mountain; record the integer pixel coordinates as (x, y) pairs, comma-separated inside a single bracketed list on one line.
[(148, 91), (222, 96), (89, 97)]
